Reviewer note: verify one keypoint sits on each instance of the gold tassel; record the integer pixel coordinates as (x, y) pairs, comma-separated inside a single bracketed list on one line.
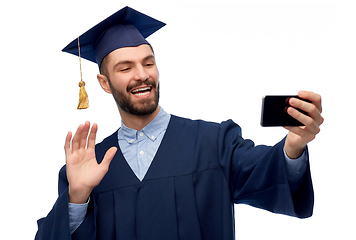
[(83, 96)]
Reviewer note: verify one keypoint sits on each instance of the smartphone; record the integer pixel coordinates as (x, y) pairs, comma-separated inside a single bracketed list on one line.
[(274, 111)]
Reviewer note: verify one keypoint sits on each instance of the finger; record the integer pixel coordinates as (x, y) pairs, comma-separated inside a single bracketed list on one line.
[(298, 115), (76, 138), (92, 136), (308, 121), (307, 132), (310, 108), (84, 135), (313, 97), (67, 149)]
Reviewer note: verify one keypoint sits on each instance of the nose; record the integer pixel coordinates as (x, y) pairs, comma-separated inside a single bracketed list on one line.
[(141, 74)]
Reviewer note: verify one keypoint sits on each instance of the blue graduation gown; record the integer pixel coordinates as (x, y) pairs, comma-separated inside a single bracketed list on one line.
[(200, 170)]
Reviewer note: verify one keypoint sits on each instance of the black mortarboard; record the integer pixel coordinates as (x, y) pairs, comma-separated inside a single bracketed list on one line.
[(125, 28)]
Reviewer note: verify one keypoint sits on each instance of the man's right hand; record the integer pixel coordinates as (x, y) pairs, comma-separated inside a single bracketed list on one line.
[(83, 171)]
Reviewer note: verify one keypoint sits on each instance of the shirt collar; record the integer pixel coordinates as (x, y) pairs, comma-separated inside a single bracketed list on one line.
[(152, 130)]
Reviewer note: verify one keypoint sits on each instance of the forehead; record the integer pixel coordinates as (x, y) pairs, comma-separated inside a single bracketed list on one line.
[(132, 54)]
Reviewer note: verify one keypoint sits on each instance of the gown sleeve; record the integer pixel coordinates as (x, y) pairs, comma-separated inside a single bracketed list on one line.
[(55, 226), (257, 175)]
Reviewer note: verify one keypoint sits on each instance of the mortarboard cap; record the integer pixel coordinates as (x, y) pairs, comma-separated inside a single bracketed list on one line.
[(125, 28)]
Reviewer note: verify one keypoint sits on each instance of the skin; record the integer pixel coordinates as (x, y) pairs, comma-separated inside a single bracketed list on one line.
[(299, 137), (135, 67), (128, 69)]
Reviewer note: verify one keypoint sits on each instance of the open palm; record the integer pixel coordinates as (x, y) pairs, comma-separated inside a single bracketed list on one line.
[(83, 171)]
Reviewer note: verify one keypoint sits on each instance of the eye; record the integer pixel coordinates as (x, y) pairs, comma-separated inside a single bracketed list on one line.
[(149, 64), (125, 69)]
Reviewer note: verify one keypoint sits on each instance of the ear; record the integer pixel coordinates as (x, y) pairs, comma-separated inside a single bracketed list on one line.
[(104, 83)]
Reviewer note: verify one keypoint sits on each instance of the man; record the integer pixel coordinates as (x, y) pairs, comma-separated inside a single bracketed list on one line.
[(165, 177)]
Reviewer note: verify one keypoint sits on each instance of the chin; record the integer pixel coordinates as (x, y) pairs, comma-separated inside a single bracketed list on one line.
[(141, 109)]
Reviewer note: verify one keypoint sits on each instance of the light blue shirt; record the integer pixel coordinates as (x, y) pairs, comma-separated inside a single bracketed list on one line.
[(139, 149)]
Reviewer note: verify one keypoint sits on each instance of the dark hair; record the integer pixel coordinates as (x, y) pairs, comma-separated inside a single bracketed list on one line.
[(103, 69)]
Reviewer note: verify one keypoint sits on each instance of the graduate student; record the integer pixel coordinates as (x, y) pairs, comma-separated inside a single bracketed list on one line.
[(162, 176)]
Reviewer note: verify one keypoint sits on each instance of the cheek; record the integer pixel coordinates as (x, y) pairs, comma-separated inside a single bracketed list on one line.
[(120, 83), (155, 74)]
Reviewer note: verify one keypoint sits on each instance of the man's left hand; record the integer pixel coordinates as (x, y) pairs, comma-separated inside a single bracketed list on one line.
[(299, 137)]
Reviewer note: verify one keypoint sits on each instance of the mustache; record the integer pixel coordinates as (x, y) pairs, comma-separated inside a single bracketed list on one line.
[(148, 82)]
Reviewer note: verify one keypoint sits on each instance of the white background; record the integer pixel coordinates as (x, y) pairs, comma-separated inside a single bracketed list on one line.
[(216, 61)]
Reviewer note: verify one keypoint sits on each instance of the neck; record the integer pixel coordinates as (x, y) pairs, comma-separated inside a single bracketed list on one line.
[(137, 122)]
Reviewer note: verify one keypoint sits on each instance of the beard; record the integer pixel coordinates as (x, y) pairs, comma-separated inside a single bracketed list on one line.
[(144, 106)]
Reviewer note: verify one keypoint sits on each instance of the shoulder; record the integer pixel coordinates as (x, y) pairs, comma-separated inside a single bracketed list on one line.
[(189, 123), (207, 133), (225, 126)]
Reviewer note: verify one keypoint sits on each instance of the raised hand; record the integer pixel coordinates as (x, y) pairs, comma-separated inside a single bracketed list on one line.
[(298, 137), (83, 171)]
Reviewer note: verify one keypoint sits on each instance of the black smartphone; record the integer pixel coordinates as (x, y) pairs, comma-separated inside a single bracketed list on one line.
[(274, 111)]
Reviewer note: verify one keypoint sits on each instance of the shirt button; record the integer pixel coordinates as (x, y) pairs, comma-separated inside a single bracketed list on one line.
[(131, 141), (141, 152), (153, 137), (141, 134)]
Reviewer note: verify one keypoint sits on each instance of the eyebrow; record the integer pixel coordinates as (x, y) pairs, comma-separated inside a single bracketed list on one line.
[(130, 62), (148, 58)]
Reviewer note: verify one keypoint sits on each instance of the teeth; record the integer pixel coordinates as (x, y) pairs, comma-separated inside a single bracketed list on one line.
[(141, 89), (141, 94)]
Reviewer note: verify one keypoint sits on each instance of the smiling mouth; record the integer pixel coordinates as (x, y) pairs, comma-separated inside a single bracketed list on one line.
[(141, 91)]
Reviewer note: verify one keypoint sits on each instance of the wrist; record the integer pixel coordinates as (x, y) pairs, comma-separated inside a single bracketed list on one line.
[(78, 196), (294, 153)]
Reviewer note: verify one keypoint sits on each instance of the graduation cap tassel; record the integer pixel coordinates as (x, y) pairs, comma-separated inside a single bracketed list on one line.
[(83, 96)]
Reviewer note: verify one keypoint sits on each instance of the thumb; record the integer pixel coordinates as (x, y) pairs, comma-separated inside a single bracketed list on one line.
[(109, 155)]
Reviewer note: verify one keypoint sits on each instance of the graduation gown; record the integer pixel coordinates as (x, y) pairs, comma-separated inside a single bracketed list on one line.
[(200, 170)]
